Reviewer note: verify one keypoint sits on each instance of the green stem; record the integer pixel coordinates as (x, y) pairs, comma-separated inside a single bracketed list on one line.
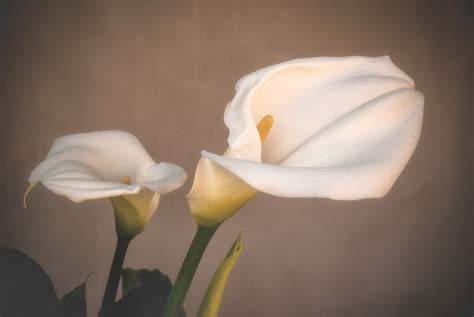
[(114, 275), (186, 273)]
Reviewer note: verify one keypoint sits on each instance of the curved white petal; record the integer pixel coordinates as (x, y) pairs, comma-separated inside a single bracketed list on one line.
[(91, 165), (161, 178), (216, 194), (304, 96), (344, 128)]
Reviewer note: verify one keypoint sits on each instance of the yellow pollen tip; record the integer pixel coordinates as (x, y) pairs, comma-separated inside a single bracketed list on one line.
[(264, 127), (126, 180)]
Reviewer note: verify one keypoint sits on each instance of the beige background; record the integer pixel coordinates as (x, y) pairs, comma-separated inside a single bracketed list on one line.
[(165, 71)]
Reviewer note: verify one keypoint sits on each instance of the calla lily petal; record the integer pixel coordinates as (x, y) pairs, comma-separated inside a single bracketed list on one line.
[(90, 166), (358, 157), (342, 128), (109, 164), (217, 194), (132, 212), (161, 178), (304, 96)]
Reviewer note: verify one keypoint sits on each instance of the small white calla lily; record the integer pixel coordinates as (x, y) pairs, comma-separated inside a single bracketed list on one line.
[(343, 128), (109, 164)]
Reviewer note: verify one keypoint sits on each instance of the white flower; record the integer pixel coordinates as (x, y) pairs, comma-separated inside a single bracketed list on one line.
[(343, 128), (110, 164)]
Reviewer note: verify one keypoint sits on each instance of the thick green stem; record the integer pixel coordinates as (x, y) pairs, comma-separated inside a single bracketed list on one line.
[(114, 276), (186, 273)]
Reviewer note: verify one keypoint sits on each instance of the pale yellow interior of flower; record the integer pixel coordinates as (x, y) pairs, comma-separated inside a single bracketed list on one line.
[(217, 194), (264, 127), (126, 180)]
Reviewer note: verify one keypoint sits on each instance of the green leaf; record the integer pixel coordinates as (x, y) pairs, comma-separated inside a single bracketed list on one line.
[(212, 300), (144, 293), (25, 288), (73, 304), (130, 279)]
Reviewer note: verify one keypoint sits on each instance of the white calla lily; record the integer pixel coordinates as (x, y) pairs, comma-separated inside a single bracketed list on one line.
[(343, 128), (109, 164)]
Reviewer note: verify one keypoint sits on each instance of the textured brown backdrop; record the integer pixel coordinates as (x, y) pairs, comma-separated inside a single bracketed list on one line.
[(165, 71)]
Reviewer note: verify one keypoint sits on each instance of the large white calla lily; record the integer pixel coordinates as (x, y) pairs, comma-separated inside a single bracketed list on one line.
[(109, 164), (343, 128)]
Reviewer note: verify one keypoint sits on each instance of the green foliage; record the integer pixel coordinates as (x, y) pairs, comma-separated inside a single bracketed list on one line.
[(212, 300), (130, 279), (73, 304), (25, 289), (144, 293)]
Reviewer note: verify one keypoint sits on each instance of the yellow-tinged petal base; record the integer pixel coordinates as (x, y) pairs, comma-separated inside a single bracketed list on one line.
[(132, 212), (216, 194)]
